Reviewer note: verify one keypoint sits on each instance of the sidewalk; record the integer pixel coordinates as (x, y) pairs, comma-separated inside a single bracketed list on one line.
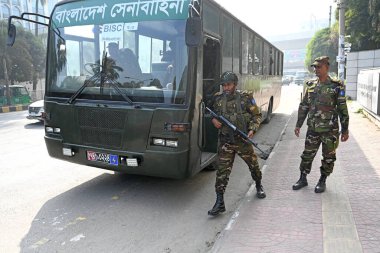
[(13, 108), (344, 219)]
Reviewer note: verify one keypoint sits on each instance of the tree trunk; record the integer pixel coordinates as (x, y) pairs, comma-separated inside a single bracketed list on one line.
[(36, 25), (8, 92)]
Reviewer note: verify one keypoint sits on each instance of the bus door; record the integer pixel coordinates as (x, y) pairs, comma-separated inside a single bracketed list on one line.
[(211, 74)]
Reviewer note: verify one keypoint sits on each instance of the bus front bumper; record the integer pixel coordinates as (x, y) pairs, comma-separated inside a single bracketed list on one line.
[(151, 163)]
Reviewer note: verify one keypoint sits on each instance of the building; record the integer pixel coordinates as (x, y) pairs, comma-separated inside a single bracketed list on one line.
[(16, 7)]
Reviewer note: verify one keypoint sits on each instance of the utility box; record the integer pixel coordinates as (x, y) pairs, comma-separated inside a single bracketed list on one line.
[(368, 94)]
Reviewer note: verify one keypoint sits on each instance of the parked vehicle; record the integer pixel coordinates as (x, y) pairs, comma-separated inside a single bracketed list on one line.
[(18, 95), (300, 77), (36, 110)]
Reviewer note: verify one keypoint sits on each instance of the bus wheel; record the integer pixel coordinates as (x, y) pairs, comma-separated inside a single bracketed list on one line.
[(269, 113)]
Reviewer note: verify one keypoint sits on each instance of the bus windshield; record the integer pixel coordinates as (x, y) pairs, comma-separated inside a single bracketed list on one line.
[(146, 61)]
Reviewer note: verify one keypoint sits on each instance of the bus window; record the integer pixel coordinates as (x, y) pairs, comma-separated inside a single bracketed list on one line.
[(227, 44), (244, 51), (257, 70), (266, 60), (211, 18), (236, 48)]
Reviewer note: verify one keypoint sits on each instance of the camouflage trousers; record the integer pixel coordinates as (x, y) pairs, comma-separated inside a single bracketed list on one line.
[(330, 142), (226, 154)]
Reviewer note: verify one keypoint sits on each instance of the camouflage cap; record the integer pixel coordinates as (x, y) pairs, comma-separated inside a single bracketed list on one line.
[(228, 77), (321, 60)]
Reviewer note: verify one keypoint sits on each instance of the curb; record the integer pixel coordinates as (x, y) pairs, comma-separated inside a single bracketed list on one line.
[(217, 244), (13, 108)]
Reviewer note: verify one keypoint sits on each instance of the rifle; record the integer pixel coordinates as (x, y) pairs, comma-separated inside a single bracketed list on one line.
[(263, 155)]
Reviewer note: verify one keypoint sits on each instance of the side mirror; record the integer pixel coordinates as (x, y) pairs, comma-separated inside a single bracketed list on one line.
[(193, 31), (11, 35)]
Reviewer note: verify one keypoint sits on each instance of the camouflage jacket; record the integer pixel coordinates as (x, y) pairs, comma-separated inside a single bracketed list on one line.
[(240, 109), (322, 104)]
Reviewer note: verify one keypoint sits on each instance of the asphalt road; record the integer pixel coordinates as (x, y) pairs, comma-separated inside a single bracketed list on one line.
[(48, 205)]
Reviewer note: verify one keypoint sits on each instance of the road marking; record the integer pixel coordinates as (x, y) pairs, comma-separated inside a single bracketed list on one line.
[(77, 238), (232, 221)]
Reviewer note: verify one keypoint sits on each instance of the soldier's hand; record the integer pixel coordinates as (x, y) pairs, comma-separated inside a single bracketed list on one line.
[(344, 137), (297, 131), (250, 134), (216, 123)]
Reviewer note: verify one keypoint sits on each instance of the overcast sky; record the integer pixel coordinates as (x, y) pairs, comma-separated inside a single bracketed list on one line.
[(278, 17)]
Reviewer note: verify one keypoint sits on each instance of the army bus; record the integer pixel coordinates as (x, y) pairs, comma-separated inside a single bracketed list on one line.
[(127, 81)]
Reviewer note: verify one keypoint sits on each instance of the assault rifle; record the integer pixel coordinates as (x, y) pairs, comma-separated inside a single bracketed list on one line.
[(263, 155)]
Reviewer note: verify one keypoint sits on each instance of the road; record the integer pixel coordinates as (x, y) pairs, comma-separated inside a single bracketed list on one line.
[(48, 205)]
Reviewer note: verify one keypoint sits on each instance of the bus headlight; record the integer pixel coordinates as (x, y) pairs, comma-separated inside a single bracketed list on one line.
[(49, 129), (171, 143), (56, 130), (158, 142), (165, 142)]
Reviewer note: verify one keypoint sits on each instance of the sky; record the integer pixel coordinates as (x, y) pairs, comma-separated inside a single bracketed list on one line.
[(278, 17)]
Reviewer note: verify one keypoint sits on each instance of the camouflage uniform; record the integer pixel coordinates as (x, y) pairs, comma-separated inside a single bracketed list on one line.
[(241, 110), (322, 104)]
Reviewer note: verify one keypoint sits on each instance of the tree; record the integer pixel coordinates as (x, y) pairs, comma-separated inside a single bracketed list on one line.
[(363, 24), (43, 2), (25, 59), (324, 42)]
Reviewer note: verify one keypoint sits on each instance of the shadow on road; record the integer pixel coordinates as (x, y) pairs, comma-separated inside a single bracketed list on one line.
[(35, 125), (122, 213)]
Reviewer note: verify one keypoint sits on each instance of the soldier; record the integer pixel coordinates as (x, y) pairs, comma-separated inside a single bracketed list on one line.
[(243, 112), (323, 103)]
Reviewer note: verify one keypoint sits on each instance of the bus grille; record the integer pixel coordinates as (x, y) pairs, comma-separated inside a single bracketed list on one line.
[(103, 128)]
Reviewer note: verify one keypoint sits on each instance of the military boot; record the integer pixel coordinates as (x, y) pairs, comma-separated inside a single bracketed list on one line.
[(219, 205), (302, 182), (321, 186), (260, 190)]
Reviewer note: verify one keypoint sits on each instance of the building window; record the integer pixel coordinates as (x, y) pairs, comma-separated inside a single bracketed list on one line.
[(16, 11), (6, 11)]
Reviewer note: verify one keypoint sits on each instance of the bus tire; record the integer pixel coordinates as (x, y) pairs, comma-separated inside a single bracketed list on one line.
[(269, 112)]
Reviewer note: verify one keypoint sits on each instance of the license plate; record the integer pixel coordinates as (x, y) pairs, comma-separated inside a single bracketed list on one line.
[(102, 157)]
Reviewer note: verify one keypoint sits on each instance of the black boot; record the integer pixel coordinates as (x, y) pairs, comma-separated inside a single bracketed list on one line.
[(260, 190), (219, 205), (302, 182), (321, 186)]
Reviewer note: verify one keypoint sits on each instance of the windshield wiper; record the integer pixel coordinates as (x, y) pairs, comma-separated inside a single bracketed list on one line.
[(103, 78), (80, 90)]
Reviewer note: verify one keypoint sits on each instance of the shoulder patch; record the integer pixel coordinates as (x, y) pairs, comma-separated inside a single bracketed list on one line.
[(311, 82), (253, 101)]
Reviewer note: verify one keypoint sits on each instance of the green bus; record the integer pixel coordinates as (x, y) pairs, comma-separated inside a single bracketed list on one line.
[(128, 81)]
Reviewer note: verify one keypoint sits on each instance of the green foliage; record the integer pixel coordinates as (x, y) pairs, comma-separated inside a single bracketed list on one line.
[(324, 42), (25, 58), (363, 24)]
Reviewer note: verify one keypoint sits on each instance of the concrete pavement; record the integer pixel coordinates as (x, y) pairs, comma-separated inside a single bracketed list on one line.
[(344, 219)]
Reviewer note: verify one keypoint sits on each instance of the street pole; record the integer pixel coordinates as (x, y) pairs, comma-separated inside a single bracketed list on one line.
[(330, 17), (341, 58)]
